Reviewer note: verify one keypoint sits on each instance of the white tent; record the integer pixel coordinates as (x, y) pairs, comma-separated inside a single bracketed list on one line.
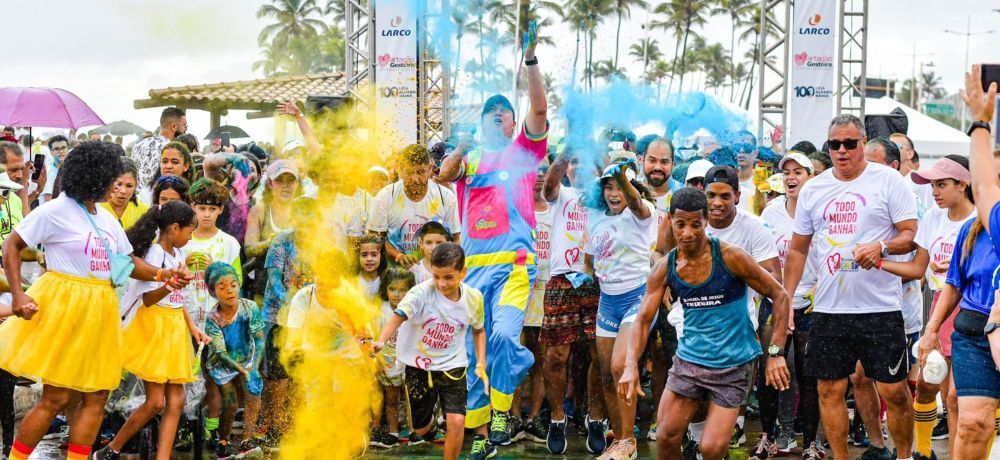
[(931, 138)]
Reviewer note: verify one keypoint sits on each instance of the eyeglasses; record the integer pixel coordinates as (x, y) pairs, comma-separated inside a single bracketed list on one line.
[(849, 144), (743, 148)]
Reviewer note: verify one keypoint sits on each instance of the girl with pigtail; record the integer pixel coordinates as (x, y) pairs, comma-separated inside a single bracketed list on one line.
[(157, 342)]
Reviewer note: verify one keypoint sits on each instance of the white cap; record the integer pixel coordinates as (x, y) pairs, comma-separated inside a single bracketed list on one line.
[(5, 182), (698, 168), (797, 157)]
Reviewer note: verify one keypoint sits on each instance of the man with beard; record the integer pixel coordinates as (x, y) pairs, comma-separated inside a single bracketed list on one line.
[(495, 184), (401, 208), (146, 153), (657, 166)]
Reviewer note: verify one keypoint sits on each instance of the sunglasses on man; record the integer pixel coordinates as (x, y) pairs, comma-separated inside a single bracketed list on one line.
[(849, 144)]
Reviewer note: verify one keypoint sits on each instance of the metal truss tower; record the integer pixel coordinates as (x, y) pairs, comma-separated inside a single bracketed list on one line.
[(359, 67), (772, 65), (853, 57), (432, 79)]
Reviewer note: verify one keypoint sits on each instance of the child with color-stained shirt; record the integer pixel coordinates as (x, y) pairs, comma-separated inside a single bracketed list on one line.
[(429, 236), (208, 244), (236, 328), (396, 282), (433, 321)]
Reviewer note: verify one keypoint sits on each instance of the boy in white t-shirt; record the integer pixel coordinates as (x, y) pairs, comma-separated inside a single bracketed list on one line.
[(208, 244), (432, 346), (431, 235)]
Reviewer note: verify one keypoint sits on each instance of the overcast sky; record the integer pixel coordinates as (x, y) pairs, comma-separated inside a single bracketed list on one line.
[(111, 53)]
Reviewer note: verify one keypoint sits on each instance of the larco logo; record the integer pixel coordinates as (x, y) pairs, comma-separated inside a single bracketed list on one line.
[(814, 21), (394, 32)]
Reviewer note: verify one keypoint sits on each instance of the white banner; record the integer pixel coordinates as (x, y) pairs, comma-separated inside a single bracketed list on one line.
[(813, 73), (395, 73)]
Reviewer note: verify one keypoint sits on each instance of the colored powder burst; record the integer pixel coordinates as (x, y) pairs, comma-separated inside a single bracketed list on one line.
[(336, 390)]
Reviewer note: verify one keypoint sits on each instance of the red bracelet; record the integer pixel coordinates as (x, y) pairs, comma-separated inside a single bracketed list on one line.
[(878, 266)]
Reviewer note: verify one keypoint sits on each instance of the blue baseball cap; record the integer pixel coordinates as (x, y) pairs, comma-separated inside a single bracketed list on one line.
[(495, 100)]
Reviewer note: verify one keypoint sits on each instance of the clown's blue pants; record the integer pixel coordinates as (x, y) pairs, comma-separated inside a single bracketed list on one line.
[(505, 279)]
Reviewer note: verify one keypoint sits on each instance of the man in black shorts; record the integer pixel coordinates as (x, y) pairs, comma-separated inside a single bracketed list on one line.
[(855, 216)]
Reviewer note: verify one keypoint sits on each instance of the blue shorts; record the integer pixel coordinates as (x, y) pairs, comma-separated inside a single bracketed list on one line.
[(615, 310), (972, 366), (910, 340)]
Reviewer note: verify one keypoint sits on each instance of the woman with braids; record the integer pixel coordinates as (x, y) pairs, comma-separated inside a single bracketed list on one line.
[(122, 202), (73, 345), (157, 341)]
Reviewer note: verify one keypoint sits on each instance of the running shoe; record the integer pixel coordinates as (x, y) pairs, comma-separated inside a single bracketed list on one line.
[(765, 449), (651, 435), (439, 435), (919, 456), (596, 442), (381, 438), (500, 429), (738, 439), (225, 451), (785, 441), (859, 435), (535, 431), (813, 452), (411, 438), (690, 449), (481, 449), (941, 429), (515, 426), (797, 427), (184, 441), (621, 449), (555, 440), (106, 454), (878, 453), (250, 449)]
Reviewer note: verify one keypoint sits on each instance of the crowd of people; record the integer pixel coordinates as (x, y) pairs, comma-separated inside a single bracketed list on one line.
[(623, 291)]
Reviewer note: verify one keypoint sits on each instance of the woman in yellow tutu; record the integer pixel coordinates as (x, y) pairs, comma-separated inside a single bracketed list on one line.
[(157, 342), (73, 345)]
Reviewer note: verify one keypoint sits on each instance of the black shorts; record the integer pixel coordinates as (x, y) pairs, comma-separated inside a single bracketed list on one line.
[(273, 368), (449, 388), (837, 342)]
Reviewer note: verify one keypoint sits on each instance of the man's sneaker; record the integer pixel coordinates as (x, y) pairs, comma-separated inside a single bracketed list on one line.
[(555, 440), (106, 454), (481, 448), (877, 453), (211, 439), (596, 442), (411, 438), (785, 441), (225, 451), (941, 429), (919, 456), (689, 449), (515, 426), (859, 435), (621, 449), (250, 449), (738, 438), (535, 431), (499, 429), (651, 435), (813, 452), (765, 449), (184, 441), (380, 438)]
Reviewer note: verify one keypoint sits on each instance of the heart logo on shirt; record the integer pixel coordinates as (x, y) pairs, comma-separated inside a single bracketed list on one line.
[(833, 262), (572, 256)]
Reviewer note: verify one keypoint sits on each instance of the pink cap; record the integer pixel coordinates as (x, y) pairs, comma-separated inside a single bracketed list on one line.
[(942, 169)]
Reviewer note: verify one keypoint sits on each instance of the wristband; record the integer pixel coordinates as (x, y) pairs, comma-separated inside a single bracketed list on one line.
[(878, 266), (159, 274), (532, 61)]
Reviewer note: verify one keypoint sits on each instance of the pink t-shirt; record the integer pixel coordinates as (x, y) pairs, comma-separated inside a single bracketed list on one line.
[(521, 159)]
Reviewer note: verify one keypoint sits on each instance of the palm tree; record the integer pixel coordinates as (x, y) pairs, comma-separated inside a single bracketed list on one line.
[(646, 52), (478, 8), (585, 16), (716, 65), (606, 70), (623, 8), (739, 12), (930, 86), (460, 18), (293, 18), (752, 31), (692, 14), (335, 8), (661, 69)]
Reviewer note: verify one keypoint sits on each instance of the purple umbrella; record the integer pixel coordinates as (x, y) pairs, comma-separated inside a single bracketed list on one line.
[(45, 107)]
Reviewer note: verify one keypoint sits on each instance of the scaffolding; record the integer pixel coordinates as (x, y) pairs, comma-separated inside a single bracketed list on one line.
[(853, 57), (433, 119), (359, 68), (772, 65)]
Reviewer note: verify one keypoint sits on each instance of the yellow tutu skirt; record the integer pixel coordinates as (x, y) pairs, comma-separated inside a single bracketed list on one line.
[(74, 341), (158, 346)]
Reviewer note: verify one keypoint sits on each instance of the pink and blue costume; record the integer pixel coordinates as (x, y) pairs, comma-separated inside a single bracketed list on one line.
[(498, 223)]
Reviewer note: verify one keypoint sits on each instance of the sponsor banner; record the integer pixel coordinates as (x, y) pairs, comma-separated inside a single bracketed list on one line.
[(395, 73), (812, 79)]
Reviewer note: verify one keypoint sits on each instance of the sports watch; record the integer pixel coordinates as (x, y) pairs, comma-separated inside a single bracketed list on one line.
[(990, 327), (775, 350), (885, 248), (978, 124)]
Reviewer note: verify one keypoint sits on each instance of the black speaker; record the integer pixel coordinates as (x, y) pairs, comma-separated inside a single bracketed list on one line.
[(885, 125), (318, 104)]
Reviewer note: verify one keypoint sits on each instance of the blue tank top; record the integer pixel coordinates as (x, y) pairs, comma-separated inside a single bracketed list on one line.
[(717, 328)]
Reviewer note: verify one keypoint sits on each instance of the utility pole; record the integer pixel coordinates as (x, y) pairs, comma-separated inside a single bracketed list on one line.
[(968, 33), (913, 78)]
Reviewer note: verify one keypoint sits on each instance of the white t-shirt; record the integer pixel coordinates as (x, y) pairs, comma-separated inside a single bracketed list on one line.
[(749, 233), (662, 208), (221, 247), (543, 244), (433, 336), (924, 194), (569, 231), (394, 214), (421, 271), (776, 216), (937, 234), (370, 288), (70, 244), (157, 257), (840, 215), (621, 246), (747, 191), (347, 216)]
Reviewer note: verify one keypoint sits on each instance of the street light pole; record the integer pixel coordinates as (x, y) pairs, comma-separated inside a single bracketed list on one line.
[(968, 33)]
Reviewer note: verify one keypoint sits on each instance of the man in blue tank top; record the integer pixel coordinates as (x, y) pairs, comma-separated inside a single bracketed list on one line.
[(716, 355)]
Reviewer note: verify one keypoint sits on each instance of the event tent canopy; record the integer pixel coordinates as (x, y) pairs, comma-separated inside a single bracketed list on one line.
[(931, 138)]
